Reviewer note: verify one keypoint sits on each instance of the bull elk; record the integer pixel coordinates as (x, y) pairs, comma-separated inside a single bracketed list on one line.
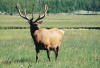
[(44, 39)]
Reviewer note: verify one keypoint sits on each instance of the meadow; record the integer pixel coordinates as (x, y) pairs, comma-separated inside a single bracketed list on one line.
[(79, 48), (50, 21)]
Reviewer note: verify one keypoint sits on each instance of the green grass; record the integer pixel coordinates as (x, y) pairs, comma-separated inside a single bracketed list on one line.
[(59, 21), (79, 49)]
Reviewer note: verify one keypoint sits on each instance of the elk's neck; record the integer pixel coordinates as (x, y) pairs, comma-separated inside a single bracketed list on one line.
[(33, 29)]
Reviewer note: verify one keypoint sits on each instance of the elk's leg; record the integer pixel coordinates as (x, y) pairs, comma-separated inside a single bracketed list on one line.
[(37, 54), (48, 54), (56, 52)]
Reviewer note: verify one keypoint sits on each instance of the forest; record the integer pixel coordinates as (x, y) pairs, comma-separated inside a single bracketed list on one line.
[(55, 6)]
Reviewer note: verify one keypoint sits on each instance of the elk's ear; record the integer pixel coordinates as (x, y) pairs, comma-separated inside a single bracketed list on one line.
[(39, 22)]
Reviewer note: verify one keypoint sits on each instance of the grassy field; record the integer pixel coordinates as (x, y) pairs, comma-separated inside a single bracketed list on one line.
[(59, 21), (79, 48)]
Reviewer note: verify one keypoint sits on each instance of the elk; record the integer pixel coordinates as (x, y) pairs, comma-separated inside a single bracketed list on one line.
[(44, 39)]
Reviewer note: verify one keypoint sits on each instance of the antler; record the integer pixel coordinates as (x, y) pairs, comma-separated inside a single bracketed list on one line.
[(25, 17), (18, 8), (42, 16)]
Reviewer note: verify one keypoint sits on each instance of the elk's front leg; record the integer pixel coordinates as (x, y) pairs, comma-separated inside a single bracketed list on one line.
[(37, 54)]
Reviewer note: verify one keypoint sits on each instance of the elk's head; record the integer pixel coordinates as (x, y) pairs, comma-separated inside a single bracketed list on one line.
[(33, 23)]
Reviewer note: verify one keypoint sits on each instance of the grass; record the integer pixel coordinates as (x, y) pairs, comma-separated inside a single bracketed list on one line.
[(54, 21), (79, 49)]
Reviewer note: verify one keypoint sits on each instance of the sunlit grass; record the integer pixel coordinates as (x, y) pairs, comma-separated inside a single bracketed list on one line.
[(79, 49), (59, 21)]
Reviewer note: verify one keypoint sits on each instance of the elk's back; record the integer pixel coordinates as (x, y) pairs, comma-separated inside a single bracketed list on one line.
[(49, 37)]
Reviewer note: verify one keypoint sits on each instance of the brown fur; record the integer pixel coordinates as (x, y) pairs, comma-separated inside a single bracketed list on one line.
[(44, 39), (47, 39), (51, 38)]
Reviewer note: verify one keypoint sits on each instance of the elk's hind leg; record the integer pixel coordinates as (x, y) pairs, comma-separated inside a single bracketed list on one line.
[(56, 52), (48, 54)]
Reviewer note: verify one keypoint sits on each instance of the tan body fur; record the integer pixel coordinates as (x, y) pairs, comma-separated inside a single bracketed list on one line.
[(50, 38), (44, 39)]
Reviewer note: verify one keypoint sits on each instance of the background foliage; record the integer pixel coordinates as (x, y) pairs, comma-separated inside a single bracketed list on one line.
[(55, 6)]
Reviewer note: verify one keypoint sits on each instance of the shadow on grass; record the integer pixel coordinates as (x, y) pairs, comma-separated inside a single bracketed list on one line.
[(22, 60), (87, 14), (96, 28)]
